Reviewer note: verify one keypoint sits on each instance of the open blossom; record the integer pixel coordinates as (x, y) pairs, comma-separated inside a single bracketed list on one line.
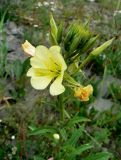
[(83, 93), (28, 48), (48, 66)]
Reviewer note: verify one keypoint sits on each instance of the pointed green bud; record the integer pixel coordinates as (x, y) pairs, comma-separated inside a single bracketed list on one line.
[(95, 53), (53, 26), (53, 39), (53, 31), (98, 50)]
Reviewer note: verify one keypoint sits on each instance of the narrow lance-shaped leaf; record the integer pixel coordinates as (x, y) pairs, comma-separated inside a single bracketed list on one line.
[(60, 32), (69, 36), (74, 138), (42, 131), (89, 44), (81, 149), (53, 27), (75, 43), (99, 156), (53, 39), (77, 119), (86, 47)]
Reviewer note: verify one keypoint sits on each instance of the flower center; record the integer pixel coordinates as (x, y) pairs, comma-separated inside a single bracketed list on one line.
[(56, 69)]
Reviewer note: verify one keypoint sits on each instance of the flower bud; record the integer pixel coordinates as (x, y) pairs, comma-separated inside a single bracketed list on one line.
[(56, 136), (28, 48)]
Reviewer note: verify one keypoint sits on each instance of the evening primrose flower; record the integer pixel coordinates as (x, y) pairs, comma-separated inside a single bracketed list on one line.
[(28, 48), (83, 93), (48, 66)]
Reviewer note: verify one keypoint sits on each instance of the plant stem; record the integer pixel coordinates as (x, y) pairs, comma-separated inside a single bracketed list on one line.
[(88, 59), (61, 106)]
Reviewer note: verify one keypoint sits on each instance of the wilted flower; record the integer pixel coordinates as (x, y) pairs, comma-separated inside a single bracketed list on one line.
[(83, 93), (28, 48), (47, 65)]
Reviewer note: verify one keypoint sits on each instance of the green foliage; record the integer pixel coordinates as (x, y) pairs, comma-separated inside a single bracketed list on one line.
[(100, 156), (53, 31), (42, 131), (3, 45)]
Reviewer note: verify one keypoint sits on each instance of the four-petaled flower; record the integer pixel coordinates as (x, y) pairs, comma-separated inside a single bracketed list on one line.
[(83, 93), (48, 66)]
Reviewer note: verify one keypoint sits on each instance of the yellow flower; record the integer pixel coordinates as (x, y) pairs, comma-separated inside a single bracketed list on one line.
[(83, 93), (47, 65), (28, 48)]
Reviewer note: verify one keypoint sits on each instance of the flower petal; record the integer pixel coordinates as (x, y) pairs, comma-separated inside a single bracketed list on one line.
[(56, 87), (83, 93), (28, 48), (41, 82), (42, 52), (30, 72), (89, 89), (37, 63), (55, 52), (42, 58)]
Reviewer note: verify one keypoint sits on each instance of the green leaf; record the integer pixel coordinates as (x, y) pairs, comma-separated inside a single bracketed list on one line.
[(69, 36), (75, 43), (75, 136), (98, 50), (42, 131), (63, 134), (18, 68), (76, 120), (2, 20), (94, 53), (89, 44), (26, 65), (60, 32), (38, 158), (53, 28), (32, 128), (53, 39), (81, 149), (99, 156)]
